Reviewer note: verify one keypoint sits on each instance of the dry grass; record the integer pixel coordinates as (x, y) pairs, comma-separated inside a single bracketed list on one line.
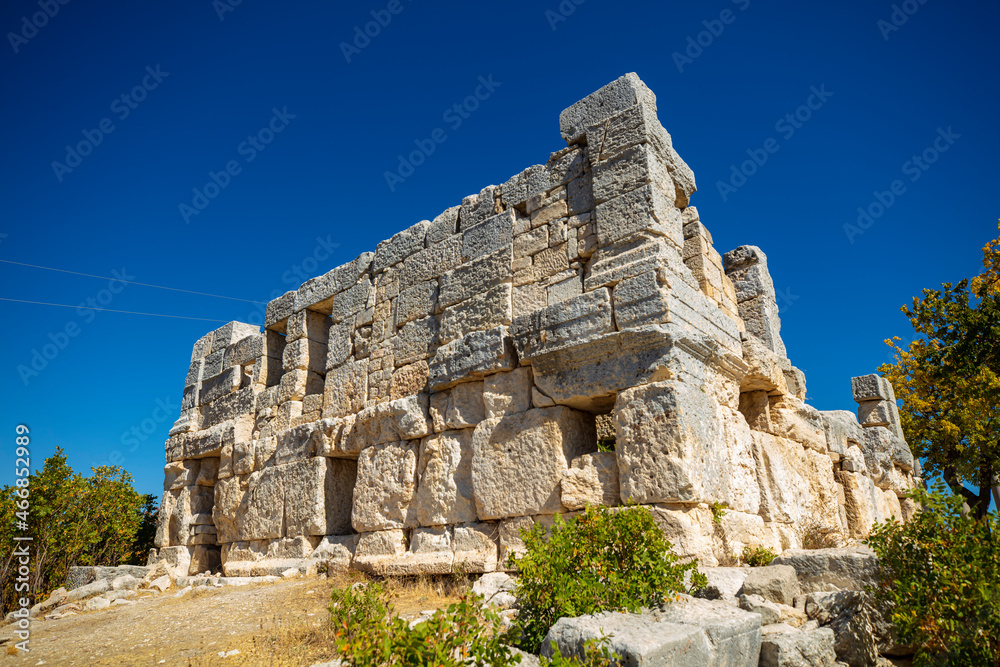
[(284, 642)]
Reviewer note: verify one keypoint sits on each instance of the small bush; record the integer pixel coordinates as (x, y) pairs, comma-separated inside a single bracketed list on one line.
[(601, 560), (718, 511), (367, 634), (757, 556), (940, 573)]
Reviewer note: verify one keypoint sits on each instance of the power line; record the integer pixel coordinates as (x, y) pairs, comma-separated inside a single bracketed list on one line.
[(109, 310), (130, 282)]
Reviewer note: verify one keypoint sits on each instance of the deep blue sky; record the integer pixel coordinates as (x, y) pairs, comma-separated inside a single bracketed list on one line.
[(323, 175)]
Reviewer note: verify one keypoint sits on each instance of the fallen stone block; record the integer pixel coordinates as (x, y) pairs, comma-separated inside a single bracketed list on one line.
[(688, 632), (819, 570), (777, 583), (814, 648)]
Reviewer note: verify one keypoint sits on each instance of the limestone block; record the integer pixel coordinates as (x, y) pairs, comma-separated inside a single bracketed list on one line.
[(317, 496), (564, 290), (476, 276), (431, 262), (667, 444), (230, 333), (875, 413), (417, 302), (228, 498), (783, 477), (630, 170), (842, 431), (752, 280), (308, 324), (409, 380), (487, 310), (293, 385), (246, 350), (346, 389), (549, 212), (208, 472), (507, 393), (687, 632), (563, 324), (179, 474), (509, 536), (263, 515), (531, 242), (473, 356), (220, 385), (859, 505), (877, 447), (760, 316), (854, 460), (823, 515), (739, 530), (632, 257), (796, 381), (416, 340), (444, 494), (621, 94), (793, 419), (690, 529), (871, 388), (743, 490), (528, 298), (317, 294), (518, 460), (340, 345), (488, 236), (649, 209), (777, 583), (352, 301), (386, 485), (305, 354), (403, 419), (202, 347), (458, 408), (400, 246), (430, 552), (756, 409), (443, 226), (475, 547), (377, 550), (764, 372), (213, 364), (278, 311), (592, 479), (477, 208)]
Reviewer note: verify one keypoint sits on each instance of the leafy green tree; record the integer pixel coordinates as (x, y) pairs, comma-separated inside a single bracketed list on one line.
[(949, 382), (940, 575), (72, 520)]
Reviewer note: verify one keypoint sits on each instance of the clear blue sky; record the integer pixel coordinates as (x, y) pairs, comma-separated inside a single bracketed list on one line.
[(321, 181)]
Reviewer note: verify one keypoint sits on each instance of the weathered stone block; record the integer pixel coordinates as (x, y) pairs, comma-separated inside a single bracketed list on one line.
[(483, 311), (504, 484), (617, 96), (646, 210), (473, 356), (459, 407), (562, 324), (400, 246), (488, 236), (592, 479), (476, 276), (346, 389), (444, 494), (507, 393), (385, 487)]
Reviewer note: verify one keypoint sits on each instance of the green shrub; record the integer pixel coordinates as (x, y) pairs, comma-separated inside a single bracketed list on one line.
[(595, 654), (367, 634), (940, 574), (718, 511), (757, 556), (598, 561)]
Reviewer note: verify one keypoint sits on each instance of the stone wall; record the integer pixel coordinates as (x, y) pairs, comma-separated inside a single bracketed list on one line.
[(410, 411)]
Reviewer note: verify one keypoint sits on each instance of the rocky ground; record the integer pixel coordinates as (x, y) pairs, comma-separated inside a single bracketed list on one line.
[(267, 624)]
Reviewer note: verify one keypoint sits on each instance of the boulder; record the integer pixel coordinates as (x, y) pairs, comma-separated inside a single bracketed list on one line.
[(724, 582), (813, 648), (776, 583), (850, 568), (688, 632), (496, 588), (848, 615), (769, 611)]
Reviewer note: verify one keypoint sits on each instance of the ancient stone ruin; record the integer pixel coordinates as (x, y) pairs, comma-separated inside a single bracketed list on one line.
[(412, 410)]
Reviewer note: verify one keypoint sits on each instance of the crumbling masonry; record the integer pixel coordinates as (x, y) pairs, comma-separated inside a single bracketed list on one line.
[(410, 411)]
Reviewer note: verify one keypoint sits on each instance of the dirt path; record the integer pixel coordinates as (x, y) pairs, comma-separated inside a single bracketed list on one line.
[(269, 624)]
